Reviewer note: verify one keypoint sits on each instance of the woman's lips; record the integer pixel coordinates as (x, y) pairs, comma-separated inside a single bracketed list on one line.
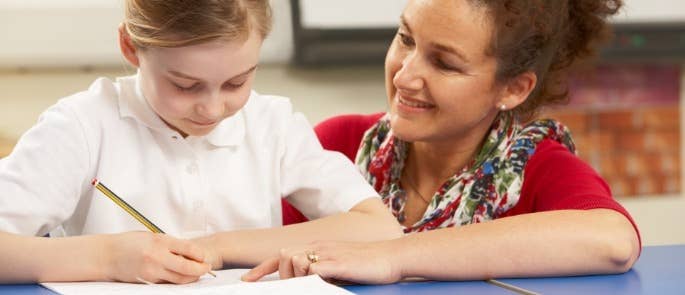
[(413, 105)]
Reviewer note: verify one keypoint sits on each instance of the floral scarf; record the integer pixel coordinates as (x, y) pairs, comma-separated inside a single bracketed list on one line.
[(487, 187)]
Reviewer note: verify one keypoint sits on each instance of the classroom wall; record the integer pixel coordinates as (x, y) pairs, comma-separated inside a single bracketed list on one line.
[(81, 33)]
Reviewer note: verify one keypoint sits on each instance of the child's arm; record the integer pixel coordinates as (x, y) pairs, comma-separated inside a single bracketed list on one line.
[(323, 185), (369, 220), (128, 257)]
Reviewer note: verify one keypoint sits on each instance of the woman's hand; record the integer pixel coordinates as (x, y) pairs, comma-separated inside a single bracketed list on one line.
[(366, 263), (156, 258)]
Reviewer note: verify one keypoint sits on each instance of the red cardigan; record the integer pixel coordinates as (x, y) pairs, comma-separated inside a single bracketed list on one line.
[(554, 178)]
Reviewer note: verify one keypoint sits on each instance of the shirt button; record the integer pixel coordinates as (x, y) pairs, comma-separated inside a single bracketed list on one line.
[(192, 168)]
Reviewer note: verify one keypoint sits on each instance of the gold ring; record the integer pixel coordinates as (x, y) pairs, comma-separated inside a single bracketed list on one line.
[(312, 257)]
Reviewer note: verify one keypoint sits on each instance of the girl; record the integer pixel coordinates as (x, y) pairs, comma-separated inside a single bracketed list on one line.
[(187, 143)]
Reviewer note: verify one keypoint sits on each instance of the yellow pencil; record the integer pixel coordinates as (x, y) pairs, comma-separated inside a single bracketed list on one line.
[(119, 201)]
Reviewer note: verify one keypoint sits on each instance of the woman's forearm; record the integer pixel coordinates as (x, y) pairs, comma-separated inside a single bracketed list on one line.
[(36, 259), (568, 242), (368, 221)]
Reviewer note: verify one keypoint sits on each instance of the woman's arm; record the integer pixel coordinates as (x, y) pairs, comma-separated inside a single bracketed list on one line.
[(555, 243), (128, 257), (369, 220)]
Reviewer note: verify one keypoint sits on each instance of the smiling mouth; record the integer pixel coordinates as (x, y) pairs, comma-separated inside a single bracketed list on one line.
[(414, 103)]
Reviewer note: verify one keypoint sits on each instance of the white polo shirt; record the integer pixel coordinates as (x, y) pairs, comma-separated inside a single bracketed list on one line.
[(232, 178)]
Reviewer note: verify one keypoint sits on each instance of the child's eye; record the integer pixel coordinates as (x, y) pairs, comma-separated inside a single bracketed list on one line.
[(234, 85), (190, 88)]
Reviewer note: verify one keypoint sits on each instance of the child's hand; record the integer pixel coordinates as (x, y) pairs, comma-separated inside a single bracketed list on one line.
[(156, 258), (212, 255)]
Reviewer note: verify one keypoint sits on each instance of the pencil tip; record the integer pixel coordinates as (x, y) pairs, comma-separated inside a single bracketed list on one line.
[(95, 181)]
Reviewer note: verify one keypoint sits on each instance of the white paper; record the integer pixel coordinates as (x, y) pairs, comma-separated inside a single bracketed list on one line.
[(227, 282)]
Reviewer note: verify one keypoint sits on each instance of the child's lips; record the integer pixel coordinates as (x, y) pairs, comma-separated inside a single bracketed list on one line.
[(203, 123)]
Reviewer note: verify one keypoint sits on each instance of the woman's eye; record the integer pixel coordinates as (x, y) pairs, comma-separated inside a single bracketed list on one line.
[(406, 40), (445, 66)]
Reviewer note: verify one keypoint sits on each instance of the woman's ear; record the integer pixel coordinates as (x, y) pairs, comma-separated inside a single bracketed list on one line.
[(517, 90), (128, 50)]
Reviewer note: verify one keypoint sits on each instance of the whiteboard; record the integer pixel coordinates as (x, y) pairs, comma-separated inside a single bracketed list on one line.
[(652, 11), (351, 14)]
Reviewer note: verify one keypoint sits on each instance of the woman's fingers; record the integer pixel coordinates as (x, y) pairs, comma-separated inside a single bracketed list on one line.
[(265, 268), (326, 270), (290, 263), (300, 264), (285, 267)]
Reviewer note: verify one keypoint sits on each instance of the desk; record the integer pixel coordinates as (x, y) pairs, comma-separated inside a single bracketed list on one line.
[(418, 288), (429, 288), (660, 270)]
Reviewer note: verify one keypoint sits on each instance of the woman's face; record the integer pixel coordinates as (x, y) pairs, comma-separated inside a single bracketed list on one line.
[(193, 88), (439, 80)]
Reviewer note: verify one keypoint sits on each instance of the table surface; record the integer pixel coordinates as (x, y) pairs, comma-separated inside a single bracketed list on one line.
[(659, 270)]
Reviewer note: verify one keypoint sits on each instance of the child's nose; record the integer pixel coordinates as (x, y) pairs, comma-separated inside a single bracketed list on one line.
[(212, 108)]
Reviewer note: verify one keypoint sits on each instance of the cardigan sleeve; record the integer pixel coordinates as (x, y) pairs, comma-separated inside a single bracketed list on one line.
[(344, 133)]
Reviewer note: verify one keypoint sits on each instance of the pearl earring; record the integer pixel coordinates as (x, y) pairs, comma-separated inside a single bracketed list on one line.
[(503, 107)]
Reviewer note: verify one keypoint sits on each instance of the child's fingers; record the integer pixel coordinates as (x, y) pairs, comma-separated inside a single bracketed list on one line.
[(185, 266), (187, 249), (265, 268), (176, 278)]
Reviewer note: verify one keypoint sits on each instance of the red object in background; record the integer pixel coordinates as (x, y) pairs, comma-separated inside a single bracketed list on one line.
[(625, 120), (625, 86)]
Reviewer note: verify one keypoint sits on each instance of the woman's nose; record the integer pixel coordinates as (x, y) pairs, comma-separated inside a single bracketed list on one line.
[(409, 76)]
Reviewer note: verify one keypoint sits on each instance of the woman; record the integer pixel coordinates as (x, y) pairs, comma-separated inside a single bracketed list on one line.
[(482, 189)]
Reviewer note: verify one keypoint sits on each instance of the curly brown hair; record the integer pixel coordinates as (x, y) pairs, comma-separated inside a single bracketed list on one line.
[(547, 37)]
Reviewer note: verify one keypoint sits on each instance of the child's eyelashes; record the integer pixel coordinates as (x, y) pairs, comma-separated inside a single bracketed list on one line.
[(231, 86), (191, 88), (196, 87)]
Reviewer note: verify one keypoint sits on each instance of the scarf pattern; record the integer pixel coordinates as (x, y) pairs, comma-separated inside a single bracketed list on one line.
[(483, 190)]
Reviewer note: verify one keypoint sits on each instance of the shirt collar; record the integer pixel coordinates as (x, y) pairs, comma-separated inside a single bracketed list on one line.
[(132, 104)]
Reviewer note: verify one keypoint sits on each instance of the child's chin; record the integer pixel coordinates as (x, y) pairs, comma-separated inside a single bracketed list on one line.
[(199, 133)]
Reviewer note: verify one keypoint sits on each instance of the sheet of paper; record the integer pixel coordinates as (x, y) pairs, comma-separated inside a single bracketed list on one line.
[(227, 282)]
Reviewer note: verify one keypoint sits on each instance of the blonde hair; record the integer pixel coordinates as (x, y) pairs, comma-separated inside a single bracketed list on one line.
[(177, 23)]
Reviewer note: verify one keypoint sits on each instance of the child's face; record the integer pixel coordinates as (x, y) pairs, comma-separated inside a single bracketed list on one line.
[(193, 88)]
